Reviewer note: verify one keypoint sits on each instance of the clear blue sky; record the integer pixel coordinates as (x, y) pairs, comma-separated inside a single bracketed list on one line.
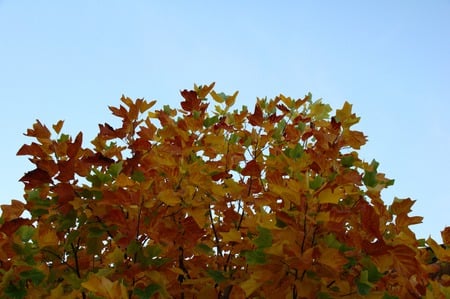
[(391, 59)]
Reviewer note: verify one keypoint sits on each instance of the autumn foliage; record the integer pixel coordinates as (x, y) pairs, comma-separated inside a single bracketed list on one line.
[(209, 201)]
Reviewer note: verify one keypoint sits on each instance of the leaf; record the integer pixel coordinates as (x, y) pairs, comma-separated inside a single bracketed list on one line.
[(264, 239), (345, 115), (169, 197), (208, 122), (370, 176), (232, 235), (16, 292), (35, 276), (115, 169), (446, 235), (328, 196), (102, 286), (58, 126), (256, 119), (191, 101), (255, 257), (216, 275), (147, 292), (13, 210), (252, 168), (138, 176), (319, 110)]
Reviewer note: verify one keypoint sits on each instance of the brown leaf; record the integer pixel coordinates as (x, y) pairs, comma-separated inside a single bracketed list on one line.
[(36, 178), (256, 118), (252, 168)]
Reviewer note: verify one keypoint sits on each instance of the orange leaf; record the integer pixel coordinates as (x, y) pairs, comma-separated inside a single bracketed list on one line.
[(58, 126), (12, 211)]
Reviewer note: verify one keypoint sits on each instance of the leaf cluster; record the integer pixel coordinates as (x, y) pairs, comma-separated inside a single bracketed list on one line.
[(213, 202)]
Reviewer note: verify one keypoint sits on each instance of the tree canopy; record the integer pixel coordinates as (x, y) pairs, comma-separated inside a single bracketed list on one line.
[(210, 201)]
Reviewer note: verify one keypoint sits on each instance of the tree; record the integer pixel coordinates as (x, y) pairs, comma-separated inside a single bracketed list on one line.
[(213, 202)]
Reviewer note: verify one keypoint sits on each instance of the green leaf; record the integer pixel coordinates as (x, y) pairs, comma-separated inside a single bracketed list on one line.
[(294, 153), (148, 292), (63, 138), (264, 239), (256, 257), (138, 176), (153, 251), (370, 177), (94, 245), (157, 262), (210, 121), (363, 288), (204, 248), (323, 295), (316, 183), (363, 284), (373, 274), (16, 292), (34, 275), (95, 232), (348, 160), (216, 275), (115, 169), (25, 233)]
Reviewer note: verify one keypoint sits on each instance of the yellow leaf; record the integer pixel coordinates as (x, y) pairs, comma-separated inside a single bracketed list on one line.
[(102, 286), (329, 196), (345, 116), (48, 238), (202, 91), (323, 217), (332, 258), (169, 197), (216, 97), (231, 99), (123, 180), (231, 236), (199, 215), (250, 285), (115, 256), (57, 292)]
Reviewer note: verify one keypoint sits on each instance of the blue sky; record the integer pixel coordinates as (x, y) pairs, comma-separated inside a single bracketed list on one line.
[(391, 59)]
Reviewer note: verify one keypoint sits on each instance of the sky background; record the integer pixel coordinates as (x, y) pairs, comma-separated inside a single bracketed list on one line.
[(391, 59)]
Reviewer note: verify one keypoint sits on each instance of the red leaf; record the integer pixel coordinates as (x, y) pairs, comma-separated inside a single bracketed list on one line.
[(256, 118), (221, 175), (98, 160), (36, 178), (370, 221), (283, 108), (66, 170), (39, 131), (74, 148), (10, 227), (252, 168), (191, 101), (274, 118), (32, 149), (107, 132)]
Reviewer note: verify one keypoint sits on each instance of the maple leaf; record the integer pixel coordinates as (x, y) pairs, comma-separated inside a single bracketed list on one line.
[(252, 168), (256, 119)]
